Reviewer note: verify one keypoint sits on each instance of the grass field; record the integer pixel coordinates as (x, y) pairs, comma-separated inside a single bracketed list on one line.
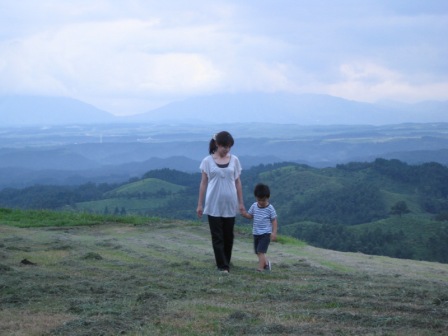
[(157, 277)]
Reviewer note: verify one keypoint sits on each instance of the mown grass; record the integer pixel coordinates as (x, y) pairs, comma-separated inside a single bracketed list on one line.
[(132, 206), (158, 278), (47, 218)]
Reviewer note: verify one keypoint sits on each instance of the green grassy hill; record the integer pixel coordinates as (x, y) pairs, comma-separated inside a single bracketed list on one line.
[(150, 186), (347, 208), (384, 207), (351, 207), (412, 233), (81, 274), (139, 197)]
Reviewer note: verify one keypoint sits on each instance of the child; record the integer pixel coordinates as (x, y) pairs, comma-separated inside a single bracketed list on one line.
[(264, 225)]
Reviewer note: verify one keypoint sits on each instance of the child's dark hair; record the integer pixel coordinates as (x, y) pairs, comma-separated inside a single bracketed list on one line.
[(262, 191), (222, 138)]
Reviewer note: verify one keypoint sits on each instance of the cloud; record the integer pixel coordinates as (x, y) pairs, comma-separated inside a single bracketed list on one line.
[(120, 57), (364, 81), (128, 57), (137, 58)]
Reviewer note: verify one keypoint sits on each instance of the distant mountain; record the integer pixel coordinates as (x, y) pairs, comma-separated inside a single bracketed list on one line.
[(20, 110), (279, 108), (305, 109), (421, 112), (45, 158)]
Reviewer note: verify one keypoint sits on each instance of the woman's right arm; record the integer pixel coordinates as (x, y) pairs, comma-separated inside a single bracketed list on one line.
[(202, 189)]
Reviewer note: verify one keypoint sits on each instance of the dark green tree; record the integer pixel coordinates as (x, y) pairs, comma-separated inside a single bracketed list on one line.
[(399, 208), (438, 246)]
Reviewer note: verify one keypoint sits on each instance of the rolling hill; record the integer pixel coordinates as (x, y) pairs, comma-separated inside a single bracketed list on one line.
[(340, 208)]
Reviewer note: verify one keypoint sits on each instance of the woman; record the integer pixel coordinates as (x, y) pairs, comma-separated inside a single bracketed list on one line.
[(221, 185)]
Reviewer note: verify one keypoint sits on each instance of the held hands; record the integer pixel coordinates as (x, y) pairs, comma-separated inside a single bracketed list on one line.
[(200, 210), (242, 209), (244, 213)]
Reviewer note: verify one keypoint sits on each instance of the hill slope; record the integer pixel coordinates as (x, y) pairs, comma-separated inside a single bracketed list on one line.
[(383, 208), (158, 278)]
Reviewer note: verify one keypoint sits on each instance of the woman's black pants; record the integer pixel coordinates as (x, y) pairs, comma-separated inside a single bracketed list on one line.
[(221, 229)]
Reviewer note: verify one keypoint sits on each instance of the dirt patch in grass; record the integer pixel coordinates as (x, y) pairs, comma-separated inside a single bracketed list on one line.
[(160, 279), (17, 322)]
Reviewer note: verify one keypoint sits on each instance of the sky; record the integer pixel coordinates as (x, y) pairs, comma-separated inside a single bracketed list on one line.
[(128, 57)]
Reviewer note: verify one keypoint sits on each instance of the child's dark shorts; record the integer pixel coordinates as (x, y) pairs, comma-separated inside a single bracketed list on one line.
[(261, 243)]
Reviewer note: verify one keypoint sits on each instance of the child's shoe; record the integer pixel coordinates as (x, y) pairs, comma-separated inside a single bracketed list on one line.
[(268, 265)]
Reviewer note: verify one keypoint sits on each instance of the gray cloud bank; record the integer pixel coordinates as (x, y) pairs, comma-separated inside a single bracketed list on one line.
[(132, 57)]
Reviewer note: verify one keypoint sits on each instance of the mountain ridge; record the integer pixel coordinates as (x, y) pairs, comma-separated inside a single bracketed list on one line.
[(27, 110), (304, 109)]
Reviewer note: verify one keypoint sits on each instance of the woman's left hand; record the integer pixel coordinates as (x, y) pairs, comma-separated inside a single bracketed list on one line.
[(199, 211)]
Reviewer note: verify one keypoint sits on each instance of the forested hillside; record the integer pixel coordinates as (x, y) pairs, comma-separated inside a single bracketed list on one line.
[(384, 207)]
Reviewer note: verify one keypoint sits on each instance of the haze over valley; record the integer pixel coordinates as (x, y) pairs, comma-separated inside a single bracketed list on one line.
[(75, 154)]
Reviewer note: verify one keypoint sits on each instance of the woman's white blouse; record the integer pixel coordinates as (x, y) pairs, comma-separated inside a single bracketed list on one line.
[(221, 199)]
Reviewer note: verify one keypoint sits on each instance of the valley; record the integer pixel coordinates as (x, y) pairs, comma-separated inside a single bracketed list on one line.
[(112, 153)]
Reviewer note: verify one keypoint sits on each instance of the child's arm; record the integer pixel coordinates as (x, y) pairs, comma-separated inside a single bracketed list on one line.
[(274, 229), (247, 215)]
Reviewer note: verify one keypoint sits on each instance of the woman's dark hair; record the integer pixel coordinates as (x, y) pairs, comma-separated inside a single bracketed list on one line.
[(262, 191), (222, 138)]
